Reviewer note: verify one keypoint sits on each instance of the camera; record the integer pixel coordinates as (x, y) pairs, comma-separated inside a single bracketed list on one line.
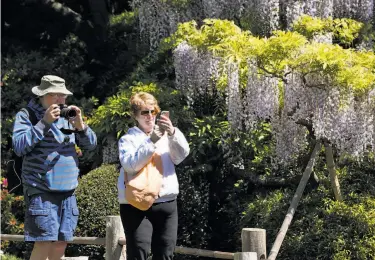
[(66, 112)]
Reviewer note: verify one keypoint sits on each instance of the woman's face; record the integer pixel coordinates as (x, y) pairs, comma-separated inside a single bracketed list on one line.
[(146, 118)]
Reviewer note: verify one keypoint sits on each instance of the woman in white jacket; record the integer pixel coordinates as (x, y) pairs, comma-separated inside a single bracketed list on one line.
[(155, 228)]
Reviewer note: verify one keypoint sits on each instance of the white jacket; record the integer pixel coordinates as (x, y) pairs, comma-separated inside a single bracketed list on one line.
[(136, 149)]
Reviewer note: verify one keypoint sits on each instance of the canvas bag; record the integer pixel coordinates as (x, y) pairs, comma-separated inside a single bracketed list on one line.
[(143, 189)]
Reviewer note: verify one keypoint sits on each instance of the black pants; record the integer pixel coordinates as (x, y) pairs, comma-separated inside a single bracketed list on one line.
[(154, 229)]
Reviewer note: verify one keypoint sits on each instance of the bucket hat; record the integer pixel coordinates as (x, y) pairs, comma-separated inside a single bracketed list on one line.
[(51, 84)]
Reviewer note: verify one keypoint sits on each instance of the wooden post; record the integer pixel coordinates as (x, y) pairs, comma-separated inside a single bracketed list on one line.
[(293, 206), (254, 240), (246, 256), (332, 172), (113, 232)]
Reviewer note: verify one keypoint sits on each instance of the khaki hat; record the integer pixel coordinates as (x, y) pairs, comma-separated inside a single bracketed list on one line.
[(51, 84)]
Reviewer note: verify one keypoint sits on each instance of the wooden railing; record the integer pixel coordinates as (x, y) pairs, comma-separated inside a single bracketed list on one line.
[(253, 243)]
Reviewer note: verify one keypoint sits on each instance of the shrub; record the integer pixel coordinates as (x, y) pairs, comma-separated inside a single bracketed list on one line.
[(9, 257), (96, 198), (12, 222)]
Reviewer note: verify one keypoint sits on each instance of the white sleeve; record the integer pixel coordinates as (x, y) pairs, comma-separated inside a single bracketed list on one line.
[(134, 157), (178, 147)]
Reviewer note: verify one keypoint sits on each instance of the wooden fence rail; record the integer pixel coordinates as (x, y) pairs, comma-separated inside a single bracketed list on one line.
[(252, 239)]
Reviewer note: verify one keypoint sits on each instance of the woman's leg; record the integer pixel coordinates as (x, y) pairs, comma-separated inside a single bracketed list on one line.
[(164, 219), (138, 232)]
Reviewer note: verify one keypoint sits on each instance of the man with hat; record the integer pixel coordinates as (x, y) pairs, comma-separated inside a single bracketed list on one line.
[(50, 167)]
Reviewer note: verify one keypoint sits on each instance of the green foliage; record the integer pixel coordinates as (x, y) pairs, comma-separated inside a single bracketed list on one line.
[(263, 211), (279, 51), (9, 257), (97, 198), (358, 215), (310, 26), (344, 30), (114, 117), (206, 136), (124, 18)]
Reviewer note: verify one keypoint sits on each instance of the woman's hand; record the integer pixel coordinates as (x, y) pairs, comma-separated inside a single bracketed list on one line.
[(166, 124), (156, 134)]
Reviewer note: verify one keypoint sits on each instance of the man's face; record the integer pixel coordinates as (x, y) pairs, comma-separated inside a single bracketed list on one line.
[(53, 98)]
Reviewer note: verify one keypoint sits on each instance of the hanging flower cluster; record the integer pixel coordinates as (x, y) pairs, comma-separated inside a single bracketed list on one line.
[(195, 72), (359, 10), (159, 18)]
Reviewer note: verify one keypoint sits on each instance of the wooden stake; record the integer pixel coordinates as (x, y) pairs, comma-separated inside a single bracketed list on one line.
[(245, 256), (332, 172), (254, 240), (293, 206), (113, 232)]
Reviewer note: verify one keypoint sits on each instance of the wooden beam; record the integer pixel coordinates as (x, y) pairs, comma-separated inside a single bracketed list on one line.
[(76, 240)]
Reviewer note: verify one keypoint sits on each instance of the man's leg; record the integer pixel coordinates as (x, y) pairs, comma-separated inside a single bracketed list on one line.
[(40, 251), (57, 250), (68, 216), (40, 224)]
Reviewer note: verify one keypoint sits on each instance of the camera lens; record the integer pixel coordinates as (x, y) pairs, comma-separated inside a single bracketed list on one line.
[(66, 112)]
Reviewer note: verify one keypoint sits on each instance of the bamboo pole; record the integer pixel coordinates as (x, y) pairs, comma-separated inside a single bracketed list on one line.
[(203, 253), (332, 171), (293, 206)]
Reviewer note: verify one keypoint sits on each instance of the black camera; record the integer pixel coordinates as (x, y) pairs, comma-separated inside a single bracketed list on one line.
[(66, 112)]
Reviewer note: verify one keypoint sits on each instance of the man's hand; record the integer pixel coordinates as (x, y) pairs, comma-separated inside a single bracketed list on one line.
[(77, 122), (166, 124), (52, 114), (156, 134)]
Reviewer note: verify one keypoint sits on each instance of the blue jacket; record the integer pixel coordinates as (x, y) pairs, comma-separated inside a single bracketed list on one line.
[(50, 159)]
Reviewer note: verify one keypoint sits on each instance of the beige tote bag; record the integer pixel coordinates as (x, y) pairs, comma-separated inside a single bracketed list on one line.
[(143, 189)]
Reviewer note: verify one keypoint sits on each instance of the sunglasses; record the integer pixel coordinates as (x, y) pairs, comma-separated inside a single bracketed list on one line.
[(55, 95), (148, 112)]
